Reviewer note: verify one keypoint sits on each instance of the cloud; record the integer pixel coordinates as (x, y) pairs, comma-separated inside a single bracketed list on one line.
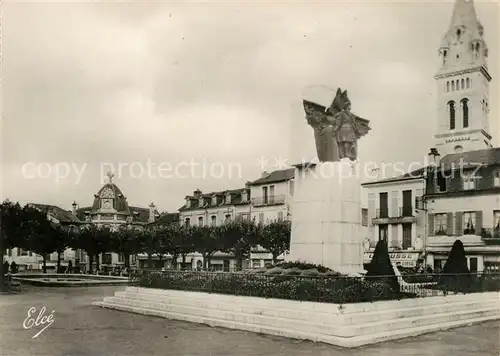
[(123, 82)]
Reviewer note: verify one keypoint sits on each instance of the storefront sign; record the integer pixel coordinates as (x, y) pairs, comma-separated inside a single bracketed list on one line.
[(404, 259)]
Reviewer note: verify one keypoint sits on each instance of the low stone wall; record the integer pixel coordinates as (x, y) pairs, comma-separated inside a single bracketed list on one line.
[(348, 325), (69, 280)]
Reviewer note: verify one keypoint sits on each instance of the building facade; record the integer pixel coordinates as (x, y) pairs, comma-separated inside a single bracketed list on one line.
[(263, 200), (272, 195), (463, 202), (392, 216)]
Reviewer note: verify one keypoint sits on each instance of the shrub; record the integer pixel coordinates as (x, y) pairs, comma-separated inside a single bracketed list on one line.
[(380, 265), (292, 272), (310, 272), (319, 288), (303, 266), (274, 271), (456, 276), (457, 261)]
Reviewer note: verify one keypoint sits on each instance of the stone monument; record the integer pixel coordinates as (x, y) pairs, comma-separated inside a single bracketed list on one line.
[(326, 226)]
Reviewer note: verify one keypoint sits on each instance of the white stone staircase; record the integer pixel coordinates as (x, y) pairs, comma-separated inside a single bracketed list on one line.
[(349, 325)]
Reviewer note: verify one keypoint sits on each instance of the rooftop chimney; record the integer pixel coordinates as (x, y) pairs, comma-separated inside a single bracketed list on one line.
[(264, 174), (197, 193)]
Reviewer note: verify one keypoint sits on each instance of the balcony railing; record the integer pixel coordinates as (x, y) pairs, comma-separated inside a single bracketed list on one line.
[(490, 235), (269, 200), (402, 212), (381, 214)]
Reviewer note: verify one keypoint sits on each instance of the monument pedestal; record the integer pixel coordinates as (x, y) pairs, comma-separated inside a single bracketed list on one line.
[(326, 225)]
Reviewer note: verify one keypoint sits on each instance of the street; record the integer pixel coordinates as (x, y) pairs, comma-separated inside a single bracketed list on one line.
[(82, 329)]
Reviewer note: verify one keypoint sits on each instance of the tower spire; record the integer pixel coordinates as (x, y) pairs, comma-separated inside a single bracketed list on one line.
[(464, 14), (463, 44), (463, 84)]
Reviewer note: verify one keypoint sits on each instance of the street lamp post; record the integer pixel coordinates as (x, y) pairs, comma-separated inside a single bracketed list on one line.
[(429, 174)]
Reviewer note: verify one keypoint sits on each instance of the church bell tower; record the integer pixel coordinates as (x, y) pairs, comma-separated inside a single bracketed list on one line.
[(463, 84)]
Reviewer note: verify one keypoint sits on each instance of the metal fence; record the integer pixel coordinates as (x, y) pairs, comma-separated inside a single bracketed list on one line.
[(329, 288)]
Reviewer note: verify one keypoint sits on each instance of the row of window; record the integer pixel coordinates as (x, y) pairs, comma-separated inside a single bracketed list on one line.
[(19, 252), (458, 84), (460, 223), (464, 104), (383, 234), (469, 181), (213, 202), (227, 218)]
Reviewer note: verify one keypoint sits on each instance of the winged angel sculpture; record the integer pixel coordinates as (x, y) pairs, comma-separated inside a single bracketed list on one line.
[(336, 129)]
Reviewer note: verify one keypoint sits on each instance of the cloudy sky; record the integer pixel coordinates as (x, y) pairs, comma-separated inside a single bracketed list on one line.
[(214, 83)]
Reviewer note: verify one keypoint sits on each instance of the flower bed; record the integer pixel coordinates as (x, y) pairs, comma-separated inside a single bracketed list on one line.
[(278, 283)]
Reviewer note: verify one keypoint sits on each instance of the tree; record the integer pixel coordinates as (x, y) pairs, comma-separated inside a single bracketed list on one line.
[(172, 242), (61, 241), (93, 240), (40, 233), (381, 265), (125, 241), (275, 238), (457, 260), (207, 240), (240, 235), (455, 275), (183, 241), (10, 232), (148, 240)]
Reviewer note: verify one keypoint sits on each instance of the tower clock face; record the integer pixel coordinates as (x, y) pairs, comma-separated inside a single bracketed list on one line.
[(107, 204)]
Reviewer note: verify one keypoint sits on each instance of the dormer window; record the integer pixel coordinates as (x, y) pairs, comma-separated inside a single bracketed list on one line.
[(188, 203), (214, 200), (228, 198), (200, 202), (244, 196)]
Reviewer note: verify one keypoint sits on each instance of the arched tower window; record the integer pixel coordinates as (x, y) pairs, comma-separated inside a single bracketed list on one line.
[(459, 34), (447, 86), (457, 84), (465, 112), (451, 109), (478, 46), (467, 83), (462, 83), (452, 85)]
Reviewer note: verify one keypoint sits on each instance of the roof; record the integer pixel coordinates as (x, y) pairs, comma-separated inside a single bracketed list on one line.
[(416, 174), (111, 190), (166, 218), (489, 156), (276, 176), (221, 201), (64, 216)]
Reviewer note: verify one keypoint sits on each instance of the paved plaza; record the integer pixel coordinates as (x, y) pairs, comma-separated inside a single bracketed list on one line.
[(82, 329)]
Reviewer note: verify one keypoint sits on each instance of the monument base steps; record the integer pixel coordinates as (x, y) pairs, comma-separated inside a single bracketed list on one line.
[(349, 325)]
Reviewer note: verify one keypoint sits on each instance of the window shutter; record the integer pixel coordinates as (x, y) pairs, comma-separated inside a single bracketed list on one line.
[(431, 225), (479, 222), (449, 224), (458, 224)]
